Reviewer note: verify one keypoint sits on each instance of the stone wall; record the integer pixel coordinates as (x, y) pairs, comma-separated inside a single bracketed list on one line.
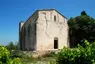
[(29, 32), (40, 30), (48, 29), (20, 34)]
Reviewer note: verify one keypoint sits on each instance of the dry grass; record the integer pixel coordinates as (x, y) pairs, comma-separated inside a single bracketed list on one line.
[(46, 57)]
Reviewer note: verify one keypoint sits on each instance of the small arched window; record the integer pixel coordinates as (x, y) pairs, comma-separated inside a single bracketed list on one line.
[(54, 18), (55, 43)]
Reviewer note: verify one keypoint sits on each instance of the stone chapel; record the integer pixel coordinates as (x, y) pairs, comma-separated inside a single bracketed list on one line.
[(45, 29)]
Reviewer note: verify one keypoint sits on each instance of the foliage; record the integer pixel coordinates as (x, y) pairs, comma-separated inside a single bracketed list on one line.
[(83, 13), (80, 28), (11, 46), (81, 55), (16, 61), (52, 62), (5, 57)]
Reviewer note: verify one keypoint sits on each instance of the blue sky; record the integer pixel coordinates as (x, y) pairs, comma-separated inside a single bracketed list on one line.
[(14, 11)]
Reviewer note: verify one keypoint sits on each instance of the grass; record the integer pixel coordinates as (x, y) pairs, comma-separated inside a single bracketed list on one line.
[(42, 60), (49, 58), (46, 59)]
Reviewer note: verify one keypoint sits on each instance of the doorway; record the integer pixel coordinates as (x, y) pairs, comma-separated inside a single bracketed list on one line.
[(55, 43)]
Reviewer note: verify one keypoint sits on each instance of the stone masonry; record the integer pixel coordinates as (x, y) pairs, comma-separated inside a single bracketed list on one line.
[(45, 30)]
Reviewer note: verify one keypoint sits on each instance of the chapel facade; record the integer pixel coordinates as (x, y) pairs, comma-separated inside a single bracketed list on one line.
[(45, 30)]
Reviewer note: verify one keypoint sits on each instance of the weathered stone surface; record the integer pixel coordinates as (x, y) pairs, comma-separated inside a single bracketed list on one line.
[(43, 29)]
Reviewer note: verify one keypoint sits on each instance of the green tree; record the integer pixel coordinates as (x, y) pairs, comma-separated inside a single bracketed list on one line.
[(12, 47), (83, 13), (80, 28)]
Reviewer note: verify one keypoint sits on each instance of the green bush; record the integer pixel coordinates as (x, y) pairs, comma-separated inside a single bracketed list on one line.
[(81, 55), (16, 61), (5, 57)]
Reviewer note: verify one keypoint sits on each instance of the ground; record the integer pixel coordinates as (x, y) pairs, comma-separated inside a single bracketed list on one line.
[(43, 60), (28, 58)]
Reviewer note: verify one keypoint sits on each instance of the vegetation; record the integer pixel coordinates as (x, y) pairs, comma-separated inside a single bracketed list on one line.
[(81, 55), (80, 28), (11, 46), (5, 57), (49, 58)]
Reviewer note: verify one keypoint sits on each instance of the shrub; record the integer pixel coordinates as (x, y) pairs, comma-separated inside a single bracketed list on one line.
[(16, 61), (5, 57), (81, 55)]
